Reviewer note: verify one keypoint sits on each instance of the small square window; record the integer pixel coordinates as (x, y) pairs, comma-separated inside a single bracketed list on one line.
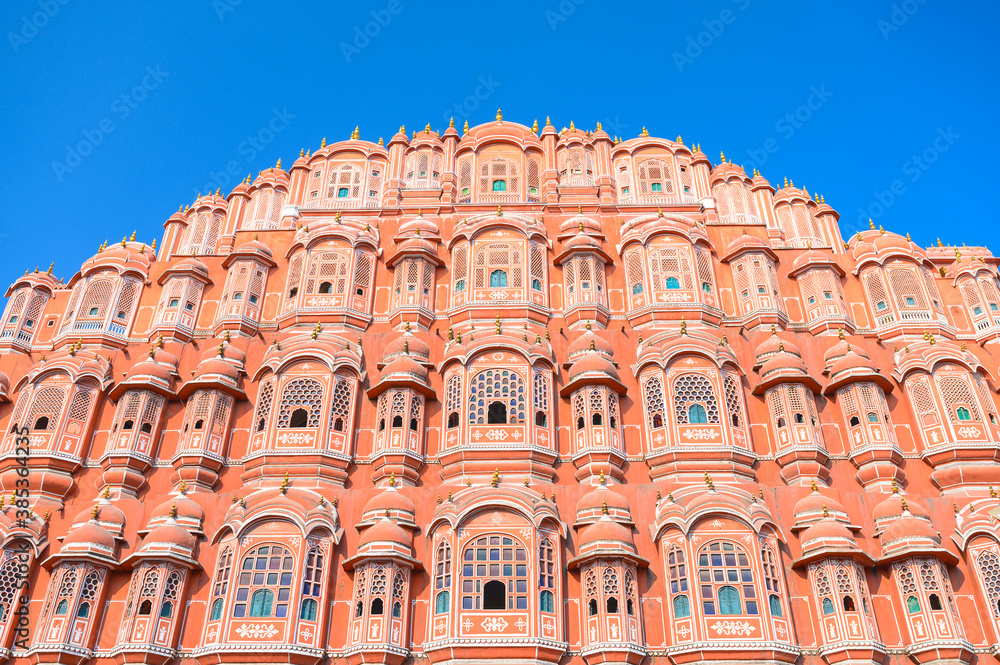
[(625, 190), (656, 187), (342, 193), (94, 311), (174, 302), (911, 301)]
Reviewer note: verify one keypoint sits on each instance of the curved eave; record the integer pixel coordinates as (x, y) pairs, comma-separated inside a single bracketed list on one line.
[(788, 377), (401, 381), (906, 552), (606, 553), (104, 560), (425, 254), (753, 249), (181, 272), (514, 222), (569, 252), (855, 376), (829, 552), (357, 559), (207, 384), (258, 256), (123, 387), (185, 561), (592, 380), (831, 264)]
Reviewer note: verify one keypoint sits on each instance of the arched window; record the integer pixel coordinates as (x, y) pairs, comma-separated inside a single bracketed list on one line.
[(682, 607), (827, 607), (221, 584), (497, 387), (265, 570), (961, 412), (312, 578), (498, 279), (216, 610), (653, 395), (376, 607), (695, 390), (308, 611), (546, 566), (673, 283), (912, 605), (697, 414), (442, 578), (305, 395), (774, 603), (540, 419), (988, 567), (722, 565), (491, 563), (546, 602), (592, 607), (453, 419), (848, 604)]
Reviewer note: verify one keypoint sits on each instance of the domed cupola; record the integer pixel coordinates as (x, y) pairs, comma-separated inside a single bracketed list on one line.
[(87, 541), (108, 516), (601, 501), (392, 502)]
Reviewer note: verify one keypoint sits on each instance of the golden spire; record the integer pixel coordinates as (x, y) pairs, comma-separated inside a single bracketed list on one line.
[(723, 156), (499, 211), (496, 476), (680, 140), (498, 323), (826, 513), (451, 121), (572, 127), (51, 266), (645, 132), (499, 117), (284, 484), (173, 511), (356, 133), (323, 144), (813, 485), (465, 128), (601, 481), (392, 479), (604, 507), (277, 166)]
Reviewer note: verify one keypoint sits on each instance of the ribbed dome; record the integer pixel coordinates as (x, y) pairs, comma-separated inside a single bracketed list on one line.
[(606, 530), (773, 345), (782, 362), (583, 343), (745, 242), (169, 534), (595, 500), (892, 507), (407, 343), (148, 369), (572, 225), (405, 366), (814, 503), (909, 527), (217, 366), (827, 532), (841, 348), (391, 500), (191, 265), (255, 246), (187, 509), (419, 224), (87, 535), (593, 365), (385, 531)]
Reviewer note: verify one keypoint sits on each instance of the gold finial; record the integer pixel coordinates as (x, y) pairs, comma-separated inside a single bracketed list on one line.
[(645, 132), (826, 513), (499, 211), (468, 482), (94, 512), (895, 487), (659, 213), (786, 181), (51, 266), (323, 144), (940, 244), (392, 479), (356, 133), (439, 499), (813, 485), (526, 483), (881, 230), (604, 507), (497, 323), (993, 492), (284, 484), (277, 166), (572, 127), (601, 481), (534, 126), (499, 117), (723, 156), (302, 152), (680, 140), (173, 511), (496, 476), (871, 224), (658, 497), (684, 327), (955, 506), (902, 504), (760, 492), (336, 218), (465, 128), (235, 499), (548, 123)]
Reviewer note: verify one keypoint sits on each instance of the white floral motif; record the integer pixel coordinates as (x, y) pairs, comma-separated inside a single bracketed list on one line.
[(295, 438), (499, 295), (494, 624), (257, 631), (700, 434), (496, 435), (969, 432), (733, 628)]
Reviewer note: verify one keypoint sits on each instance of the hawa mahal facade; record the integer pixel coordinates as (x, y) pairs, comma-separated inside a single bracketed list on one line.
[(505, 394)]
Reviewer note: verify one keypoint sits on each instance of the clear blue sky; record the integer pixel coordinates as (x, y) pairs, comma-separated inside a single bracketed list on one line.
[(920, 82)]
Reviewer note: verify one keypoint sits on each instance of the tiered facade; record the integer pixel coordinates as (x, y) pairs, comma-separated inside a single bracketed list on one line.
[(511, 395)]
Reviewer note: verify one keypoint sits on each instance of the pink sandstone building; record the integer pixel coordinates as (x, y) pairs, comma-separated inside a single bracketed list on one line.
[(509, 395)]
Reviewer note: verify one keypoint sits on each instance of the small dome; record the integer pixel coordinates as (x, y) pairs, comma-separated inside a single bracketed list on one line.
[(150, 370), (217, 367), (89, 535), (573, 225), (826, 532), (593, 365), (814, 504), (773, 345), (893, 507), (404, 366), (109, 516), (746, 242), (782, 362), (190, 265), (418, 226), (385, 531), (581, 242), (583, 343), (169, 535), (187, 509), (606, 530), (407, 343), (909, 528), (229, 353), (850, 362), (591, 505), (841, 348), (390, 499), (255, 246)]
